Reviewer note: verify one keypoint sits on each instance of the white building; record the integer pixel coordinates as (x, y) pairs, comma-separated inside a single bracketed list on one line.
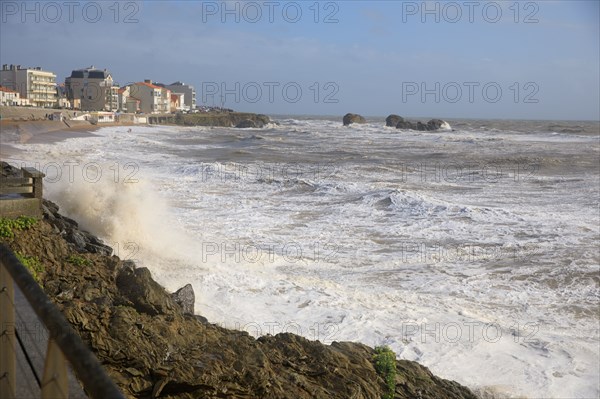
[(188, 91), (9, 97), (33, 84)]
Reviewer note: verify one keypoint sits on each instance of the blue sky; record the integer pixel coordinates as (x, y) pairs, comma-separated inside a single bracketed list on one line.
[(477, 59)]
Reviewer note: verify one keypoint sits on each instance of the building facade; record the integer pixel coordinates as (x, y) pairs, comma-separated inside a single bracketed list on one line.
[(33, 84), (188, 91), (153, 99), (9, 97), (92, 89)]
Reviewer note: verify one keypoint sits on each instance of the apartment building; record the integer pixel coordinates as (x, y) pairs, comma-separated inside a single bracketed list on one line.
[(189, 98), (34, 84), (153, 99), (92, 89)]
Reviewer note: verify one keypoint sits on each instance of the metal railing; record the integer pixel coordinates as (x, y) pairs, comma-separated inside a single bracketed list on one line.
[(63, 343)]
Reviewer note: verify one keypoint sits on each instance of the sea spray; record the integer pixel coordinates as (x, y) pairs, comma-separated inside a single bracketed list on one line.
[(130, 216)]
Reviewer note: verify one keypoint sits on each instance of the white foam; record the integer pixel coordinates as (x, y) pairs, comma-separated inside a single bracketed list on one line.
[(336, 257)]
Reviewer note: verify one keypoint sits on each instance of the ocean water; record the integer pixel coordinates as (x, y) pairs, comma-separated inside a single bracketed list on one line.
[(473, 251)]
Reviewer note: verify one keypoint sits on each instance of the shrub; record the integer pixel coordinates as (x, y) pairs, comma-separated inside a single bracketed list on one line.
[(78, 260), (385, 365)]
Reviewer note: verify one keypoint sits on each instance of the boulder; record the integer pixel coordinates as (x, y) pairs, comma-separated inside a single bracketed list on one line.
[(185, 298), (353, 118), (145, 294), (393, 120), (406, 125), (435, 124)]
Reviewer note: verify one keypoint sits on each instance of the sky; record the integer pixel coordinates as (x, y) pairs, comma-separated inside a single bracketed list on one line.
[(446, 59)]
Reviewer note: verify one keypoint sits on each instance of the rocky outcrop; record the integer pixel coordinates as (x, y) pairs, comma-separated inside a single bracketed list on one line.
[(433, 124), (353, 118), (217, 119), (393, 120), (69, 230), (152, 347), (245, 124)]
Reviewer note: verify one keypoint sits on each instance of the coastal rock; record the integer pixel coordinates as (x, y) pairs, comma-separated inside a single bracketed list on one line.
[(406, 125), (146, 295), (353, 118), (245, 124), (185, 298), (69, 229), (435, 124), (432, 125), (393, 120)]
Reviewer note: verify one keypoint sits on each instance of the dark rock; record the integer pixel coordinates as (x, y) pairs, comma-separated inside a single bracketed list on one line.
[(353, 118), (245, 124), (406, 125), (77, 238), (393, 120), (435, 124), (145, 294), (185, 298)]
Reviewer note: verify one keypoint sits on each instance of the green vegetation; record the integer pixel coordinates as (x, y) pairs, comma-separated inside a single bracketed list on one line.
[(9, 226), (33, 265), (385, 364), (78, 260)]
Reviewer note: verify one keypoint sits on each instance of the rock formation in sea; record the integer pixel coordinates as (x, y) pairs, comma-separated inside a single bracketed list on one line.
[(353, 118)]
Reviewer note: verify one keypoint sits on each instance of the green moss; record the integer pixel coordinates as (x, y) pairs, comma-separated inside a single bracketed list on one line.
[(9, 226), (78, 260), (385, 365), (32, 264)]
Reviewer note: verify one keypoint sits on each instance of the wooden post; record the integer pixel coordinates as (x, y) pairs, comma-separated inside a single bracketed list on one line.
[(7, 338), (54, 381)]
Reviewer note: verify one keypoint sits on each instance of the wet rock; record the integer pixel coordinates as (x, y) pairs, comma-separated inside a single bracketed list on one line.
[(353, 118), (393, 120), (432, 125), (185, 298), (245, 124)]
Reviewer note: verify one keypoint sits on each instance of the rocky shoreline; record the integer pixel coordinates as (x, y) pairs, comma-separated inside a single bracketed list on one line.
[(153, 345)]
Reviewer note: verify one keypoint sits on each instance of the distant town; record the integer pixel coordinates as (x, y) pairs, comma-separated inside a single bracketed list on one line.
[(94, 90)]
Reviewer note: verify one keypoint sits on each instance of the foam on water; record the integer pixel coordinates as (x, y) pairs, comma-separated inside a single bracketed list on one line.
[(483, 280)]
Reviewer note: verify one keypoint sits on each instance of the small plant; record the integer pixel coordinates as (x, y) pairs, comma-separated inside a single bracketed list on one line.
[(9, 226), (78, 260), (385, 365), (33, 265)]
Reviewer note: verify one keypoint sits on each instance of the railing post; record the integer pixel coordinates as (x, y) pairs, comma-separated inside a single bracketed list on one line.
[(54, 381), (7, 339), (37, 177)]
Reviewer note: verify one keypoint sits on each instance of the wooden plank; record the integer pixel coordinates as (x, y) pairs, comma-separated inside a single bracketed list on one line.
[(11, 181), (54, 381), (7, 341), (16, 190)]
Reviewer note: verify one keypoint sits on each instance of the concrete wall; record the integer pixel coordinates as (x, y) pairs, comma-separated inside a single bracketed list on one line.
[(13, 208)]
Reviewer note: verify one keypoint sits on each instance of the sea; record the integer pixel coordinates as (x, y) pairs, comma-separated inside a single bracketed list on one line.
[(472, 250)]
